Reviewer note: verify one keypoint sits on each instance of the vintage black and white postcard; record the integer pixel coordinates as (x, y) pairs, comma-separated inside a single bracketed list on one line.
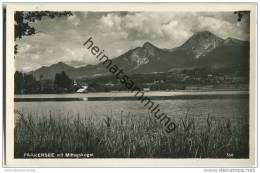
[(130, 85)]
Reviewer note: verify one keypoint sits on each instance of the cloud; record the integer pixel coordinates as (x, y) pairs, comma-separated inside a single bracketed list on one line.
[(74, 20), (111, 21), (62, 38)]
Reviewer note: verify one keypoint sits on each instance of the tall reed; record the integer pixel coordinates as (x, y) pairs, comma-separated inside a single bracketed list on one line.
[(129, 136)]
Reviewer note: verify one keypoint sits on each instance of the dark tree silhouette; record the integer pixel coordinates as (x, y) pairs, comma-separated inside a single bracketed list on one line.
[(18, 83), (240, 14), (62, 81), (25, 83)]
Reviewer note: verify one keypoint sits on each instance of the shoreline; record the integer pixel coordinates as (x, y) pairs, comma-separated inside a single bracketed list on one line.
[(162, 96), (148, 93)]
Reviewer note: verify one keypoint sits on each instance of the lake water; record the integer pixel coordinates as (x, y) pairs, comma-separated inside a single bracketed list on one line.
[(124, 93), (229, 107)]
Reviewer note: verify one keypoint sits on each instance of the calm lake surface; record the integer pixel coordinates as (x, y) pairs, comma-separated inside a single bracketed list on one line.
[(122, 94), (235, 109)]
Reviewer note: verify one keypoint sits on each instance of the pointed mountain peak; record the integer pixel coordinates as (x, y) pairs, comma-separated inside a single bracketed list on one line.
[(204, 34), (234, 41), (61, 63), (148, 45), (202, 43), (58, 64), (230, 39)]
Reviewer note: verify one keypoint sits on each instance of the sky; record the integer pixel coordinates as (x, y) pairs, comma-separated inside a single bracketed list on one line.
[(62, 38)]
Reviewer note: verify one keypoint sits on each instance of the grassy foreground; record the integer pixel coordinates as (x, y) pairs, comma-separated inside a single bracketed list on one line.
[(129, 136)]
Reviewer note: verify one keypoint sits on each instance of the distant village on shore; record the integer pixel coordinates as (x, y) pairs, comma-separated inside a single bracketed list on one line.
[(198, 79)]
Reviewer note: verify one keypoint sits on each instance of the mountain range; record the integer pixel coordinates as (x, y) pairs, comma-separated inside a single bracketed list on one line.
[(201, 50)]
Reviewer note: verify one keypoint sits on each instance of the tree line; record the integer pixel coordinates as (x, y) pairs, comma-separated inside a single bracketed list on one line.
[(27, 84)]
